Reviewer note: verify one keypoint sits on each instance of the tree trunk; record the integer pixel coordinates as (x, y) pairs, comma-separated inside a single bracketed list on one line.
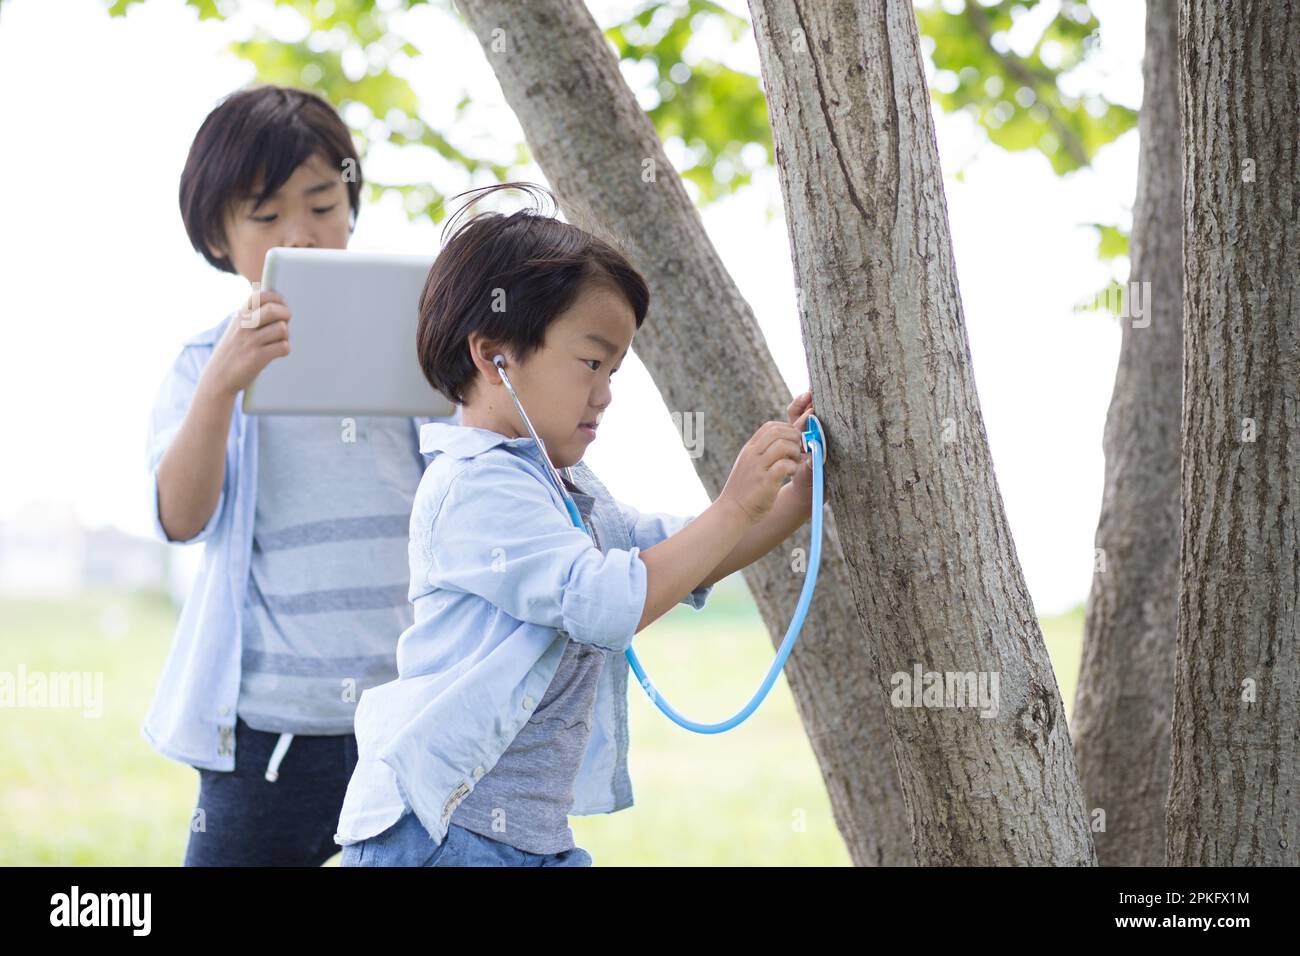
[(706, 353), (932, 566), (1234, 795), (1125, 699)]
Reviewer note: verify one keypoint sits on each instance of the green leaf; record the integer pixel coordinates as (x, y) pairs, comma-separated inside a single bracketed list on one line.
[(1112, 241)]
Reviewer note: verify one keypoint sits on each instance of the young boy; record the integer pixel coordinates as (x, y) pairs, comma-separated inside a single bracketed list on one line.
[(510, 709), (303, 588)]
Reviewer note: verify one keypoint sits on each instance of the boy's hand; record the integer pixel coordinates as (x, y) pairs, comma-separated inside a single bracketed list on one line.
[(767, 459), (797, 414), (258, 333)]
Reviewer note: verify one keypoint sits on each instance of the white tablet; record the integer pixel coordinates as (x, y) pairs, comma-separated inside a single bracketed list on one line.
[(351, 336)]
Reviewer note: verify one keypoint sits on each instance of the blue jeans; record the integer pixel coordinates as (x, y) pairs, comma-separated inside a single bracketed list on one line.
[(246, 820), (407, 843)]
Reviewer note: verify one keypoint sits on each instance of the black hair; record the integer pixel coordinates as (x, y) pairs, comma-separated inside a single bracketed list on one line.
[(263, 129), (539, 261)]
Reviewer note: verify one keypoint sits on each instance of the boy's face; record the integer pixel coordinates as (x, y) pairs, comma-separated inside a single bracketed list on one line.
[(311, 209), (562, 385)]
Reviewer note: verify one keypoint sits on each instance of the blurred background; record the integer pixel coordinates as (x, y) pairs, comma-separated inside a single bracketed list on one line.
[(1035, 111)]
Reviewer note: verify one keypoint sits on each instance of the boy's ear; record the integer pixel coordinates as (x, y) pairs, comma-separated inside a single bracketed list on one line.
[(218, 244), (218, 249), (483, 350)]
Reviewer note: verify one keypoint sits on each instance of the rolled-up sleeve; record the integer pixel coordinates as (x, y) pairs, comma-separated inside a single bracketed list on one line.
[(647, 530), (169, 409), (500, 534)]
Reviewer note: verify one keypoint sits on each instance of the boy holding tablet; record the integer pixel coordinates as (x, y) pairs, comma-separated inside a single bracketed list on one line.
[(302, 593)]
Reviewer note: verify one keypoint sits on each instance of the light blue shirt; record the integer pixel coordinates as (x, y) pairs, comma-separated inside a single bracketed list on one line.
[(192, 716), (501, 580)]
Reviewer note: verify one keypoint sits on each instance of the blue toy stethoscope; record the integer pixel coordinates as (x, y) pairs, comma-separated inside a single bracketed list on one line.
[(813, 442)]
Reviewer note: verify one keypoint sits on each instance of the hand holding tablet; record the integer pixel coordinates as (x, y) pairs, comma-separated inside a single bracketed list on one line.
[(258, 335)]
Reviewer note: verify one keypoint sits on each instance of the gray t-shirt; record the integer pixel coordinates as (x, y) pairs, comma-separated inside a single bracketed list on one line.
[(524, 800), (329, 575)]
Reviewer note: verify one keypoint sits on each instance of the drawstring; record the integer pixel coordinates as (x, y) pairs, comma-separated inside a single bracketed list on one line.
[(281, 747)]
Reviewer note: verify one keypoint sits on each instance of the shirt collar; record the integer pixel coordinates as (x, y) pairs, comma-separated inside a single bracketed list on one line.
[(464, 441), (468, 441)]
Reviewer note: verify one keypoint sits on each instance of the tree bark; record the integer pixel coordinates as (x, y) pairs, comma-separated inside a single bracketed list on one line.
[(706, 354), (1123, 708), (932, 566), (1234, 795)]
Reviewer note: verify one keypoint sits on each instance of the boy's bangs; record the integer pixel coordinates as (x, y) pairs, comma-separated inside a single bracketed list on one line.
[(274, 160)]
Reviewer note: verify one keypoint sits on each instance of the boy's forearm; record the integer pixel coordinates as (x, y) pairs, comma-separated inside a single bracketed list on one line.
[(790, 510), (193, 468), (676, 566)]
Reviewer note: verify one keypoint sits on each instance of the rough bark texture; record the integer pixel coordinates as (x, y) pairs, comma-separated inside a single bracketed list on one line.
[(932, 566), (1123, 708), (706, 353), (1234, 795)]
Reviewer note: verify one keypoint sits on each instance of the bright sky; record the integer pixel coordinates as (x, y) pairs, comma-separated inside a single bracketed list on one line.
[(100, 285)]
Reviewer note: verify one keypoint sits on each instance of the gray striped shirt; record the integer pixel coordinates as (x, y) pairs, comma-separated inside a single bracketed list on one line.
[(329, 575)]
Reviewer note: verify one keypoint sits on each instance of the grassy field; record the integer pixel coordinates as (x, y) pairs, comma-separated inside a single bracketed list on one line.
[(88, 790)]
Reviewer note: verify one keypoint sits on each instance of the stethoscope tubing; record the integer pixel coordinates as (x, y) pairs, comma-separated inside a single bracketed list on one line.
[(813, 442)]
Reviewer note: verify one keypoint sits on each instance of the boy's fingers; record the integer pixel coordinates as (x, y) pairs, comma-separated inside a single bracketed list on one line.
[(263, 314)]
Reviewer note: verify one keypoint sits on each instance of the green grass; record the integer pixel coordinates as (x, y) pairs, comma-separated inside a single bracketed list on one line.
[(82, 790)]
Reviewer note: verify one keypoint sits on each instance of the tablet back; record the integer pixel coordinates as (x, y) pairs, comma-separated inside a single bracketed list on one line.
[(351, 336)]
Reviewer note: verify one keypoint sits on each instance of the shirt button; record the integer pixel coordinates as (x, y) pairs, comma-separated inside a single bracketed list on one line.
[(478, 772), (528, 703), (224, 710)]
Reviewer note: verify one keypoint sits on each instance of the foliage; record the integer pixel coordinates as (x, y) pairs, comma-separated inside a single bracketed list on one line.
[(352, 52)]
